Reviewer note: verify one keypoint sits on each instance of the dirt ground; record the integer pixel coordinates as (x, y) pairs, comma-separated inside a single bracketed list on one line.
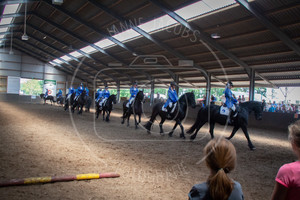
[(42, 140)]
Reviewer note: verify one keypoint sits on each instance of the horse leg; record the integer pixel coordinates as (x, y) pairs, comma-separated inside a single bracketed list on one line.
[(235, 129), (128, 116), (97, 113), (198, 128), (107, 116), (160, 125), (182, 131), (211, 129), (174, 127), (135, 121), (250, 145), (103, 114)]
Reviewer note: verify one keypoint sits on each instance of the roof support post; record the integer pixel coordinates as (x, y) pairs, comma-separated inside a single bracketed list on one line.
[(176, 79), (118, 91), (208, 89), (152, 92), (252, 85)]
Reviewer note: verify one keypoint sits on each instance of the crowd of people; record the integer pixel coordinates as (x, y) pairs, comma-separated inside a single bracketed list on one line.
[(281, 107)]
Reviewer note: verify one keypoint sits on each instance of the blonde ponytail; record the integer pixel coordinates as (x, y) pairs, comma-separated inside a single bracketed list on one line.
[(221, 159)]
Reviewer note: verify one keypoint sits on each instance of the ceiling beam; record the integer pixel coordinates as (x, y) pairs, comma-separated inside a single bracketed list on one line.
[(145, 34), (78, 38), (274, 29)]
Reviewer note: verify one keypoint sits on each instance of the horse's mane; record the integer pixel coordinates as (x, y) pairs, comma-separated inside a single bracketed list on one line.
[(182, 97)]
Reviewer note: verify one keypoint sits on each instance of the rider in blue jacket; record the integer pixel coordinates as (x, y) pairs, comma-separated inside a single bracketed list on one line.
[(172, 98), (46, 93), (59, 94), (105, 95), (87, 91), (79, 91), (133, 92), (98, 95), (71, 91), (230, 100)]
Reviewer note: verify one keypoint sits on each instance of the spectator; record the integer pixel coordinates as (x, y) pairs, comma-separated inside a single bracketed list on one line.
[(213, 100), (240, 99), (287, 184), (243, 99), (221, 160)]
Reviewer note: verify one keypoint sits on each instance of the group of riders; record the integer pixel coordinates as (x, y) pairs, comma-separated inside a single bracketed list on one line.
[(102, 95)]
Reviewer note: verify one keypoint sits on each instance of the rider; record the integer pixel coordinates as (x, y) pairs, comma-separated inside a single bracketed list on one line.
[(46, 93), (98, 95), (79, 91), (172, 98), (133, 91), (59, 94), (71, 91), (230, 100), (87, 91), (105, 95)]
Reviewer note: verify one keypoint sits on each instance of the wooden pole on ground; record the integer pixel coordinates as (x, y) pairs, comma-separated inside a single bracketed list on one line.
[(51, 179)]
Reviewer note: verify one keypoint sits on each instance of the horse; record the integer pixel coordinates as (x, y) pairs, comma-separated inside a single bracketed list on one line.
[(212, 115), (88, 104), (187, 99), (79, 102), (69, 101), (60, 100), (49, 97), (135, 109), (107, 107)]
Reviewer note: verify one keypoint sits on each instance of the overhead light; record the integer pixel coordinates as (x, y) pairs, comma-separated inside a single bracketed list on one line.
[(44, 37), (57, 2), (25, 37), (215, 35)]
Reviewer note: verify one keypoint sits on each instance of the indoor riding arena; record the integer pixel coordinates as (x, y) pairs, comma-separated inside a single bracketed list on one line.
[(62, 62)]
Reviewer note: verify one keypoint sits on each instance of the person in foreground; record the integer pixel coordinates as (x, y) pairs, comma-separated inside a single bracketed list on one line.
[(221, 160), (287, 184)]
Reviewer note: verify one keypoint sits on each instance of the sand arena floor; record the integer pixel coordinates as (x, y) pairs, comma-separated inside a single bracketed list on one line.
[(41, 140)]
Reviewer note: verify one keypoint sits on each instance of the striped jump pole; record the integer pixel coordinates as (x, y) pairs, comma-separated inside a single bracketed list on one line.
[(51, 179)]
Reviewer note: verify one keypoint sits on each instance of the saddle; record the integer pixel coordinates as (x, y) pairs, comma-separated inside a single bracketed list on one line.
[(224, 110)]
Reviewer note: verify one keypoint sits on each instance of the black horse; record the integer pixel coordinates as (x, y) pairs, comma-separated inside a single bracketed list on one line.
[(107, 107), (135, 109), (212, 115), (88, 104), (187, 99), (69, 101), (60, 100), (49, 97), (79, 102)]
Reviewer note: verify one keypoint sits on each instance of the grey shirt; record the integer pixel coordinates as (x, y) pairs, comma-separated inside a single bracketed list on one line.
[(200, 192)]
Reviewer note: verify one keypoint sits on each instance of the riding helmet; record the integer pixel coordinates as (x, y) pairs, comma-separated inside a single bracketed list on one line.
[(230, 83)]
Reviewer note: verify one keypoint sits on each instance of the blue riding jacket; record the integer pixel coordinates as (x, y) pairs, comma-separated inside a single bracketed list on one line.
[(133, 92), (46, 93), (71, 90), (59, 94), (79, 90), (172, 97), (105, 94), (230, 100), (87, 91), (98, 95)]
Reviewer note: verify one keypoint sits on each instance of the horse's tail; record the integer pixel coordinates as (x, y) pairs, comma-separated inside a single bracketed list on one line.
[(197, 121), (155, 112)]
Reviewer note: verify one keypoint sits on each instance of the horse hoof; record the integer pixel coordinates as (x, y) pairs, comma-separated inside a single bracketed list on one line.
[(252, 148), (227, 138), (182, 136), (170, 134), (162, 134), (192, 138), (148, 132)]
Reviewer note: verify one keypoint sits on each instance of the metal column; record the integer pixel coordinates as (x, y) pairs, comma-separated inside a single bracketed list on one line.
[(177, 83), (208, 88), (118, 91), (152, 92), (252, 85)]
